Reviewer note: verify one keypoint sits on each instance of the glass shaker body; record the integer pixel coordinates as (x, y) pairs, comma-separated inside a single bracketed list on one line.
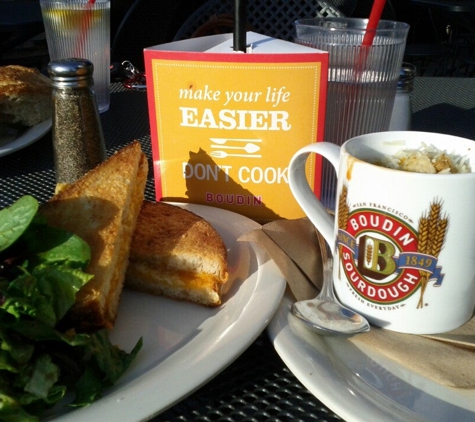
[(402, 110), (77, 131)]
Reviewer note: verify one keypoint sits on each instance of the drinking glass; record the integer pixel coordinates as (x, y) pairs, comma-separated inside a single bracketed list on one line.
[(81, 29), (362, 80)]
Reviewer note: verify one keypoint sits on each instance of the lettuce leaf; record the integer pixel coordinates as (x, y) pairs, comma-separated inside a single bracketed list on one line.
[(41, 270)]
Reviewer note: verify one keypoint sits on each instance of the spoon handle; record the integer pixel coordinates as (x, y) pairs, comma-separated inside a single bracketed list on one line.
[(327, 263)]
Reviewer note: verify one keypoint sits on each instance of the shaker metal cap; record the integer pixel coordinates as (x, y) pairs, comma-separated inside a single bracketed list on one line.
[(71, 70)]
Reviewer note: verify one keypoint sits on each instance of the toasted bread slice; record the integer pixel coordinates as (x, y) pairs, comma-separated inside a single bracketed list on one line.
[(176, 253), (102, 208)]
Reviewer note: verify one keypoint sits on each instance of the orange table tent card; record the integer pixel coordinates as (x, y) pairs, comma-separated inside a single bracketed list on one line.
[(224, 125)]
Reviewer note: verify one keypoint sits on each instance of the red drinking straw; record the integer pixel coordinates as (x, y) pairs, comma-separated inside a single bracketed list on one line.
[(85, 25), (369, 35), (373, 22), (358, 71)]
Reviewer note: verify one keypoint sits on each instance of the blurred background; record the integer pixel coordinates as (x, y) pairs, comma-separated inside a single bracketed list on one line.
[(441, 41)]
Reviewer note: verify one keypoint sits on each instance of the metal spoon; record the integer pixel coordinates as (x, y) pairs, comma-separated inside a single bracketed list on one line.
[(324, 314)]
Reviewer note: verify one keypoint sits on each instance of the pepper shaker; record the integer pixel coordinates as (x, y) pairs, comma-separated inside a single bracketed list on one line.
[(401, 115), (77, 131)]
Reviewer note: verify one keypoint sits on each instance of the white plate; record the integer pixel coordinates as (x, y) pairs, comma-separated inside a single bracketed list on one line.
[(185, 345), (9, 144), (362, 385)]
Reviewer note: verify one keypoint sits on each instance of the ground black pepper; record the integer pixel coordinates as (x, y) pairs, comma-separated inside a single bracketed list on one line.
[(77, 132)]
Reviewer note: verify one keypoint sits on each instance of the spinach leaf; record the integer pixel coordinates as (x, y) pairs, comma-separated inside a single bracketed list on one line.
[(52, 245), (15, 220)]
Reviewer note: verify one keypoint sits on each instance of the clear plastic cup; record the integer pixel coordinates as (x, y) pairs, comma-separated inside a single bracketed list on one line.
[(362, 81), (81, 29)]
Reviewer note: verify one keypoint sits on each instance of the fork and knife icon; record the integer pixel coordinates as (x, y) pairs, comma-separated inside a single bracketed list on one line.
[(249, 147)]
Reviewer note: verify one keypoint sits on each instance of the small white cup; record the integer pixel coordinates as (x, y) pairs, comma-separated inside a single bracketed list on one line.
[(403, 242)]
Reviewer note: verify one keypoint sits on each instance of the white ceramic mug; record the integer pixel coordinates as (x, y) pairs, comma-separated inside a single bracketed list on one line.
[(403, 242)]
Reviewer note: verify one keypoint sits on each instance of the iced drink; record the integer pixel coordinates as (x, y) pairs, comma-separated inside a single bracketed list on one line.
[(362, 81), (81, 30)]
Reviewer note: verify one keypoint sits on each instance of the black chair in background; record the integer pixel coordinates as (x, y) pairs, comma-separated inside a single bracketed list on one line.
[(362, 8), (462, 40), (347, 7), (20, 22), (148, 23), (152, 22), (428, 44), (272, 18)]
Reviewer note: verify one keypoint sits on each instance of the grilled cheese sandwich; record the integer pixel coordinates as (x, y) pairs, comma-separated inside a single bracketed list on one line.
[(177, 254), (102, 208)]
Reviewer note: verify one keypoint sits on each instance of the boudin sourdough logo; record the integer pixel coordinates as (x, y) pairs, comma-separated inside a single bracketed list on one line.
[(385, 260)]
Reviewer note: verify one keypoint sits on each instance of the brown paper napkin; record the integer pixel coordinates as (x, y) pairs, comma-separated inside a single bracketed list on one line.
[(447, 358)]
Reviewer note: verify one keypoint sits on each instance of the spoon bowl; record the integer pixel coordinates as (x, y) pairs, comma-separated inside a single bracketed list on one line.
[(325, 314), (336, 320)]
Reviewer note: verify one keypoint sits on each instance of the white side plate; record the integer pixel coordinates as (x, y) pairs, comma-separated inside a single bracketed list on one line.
[(9, 144), (185, 345)]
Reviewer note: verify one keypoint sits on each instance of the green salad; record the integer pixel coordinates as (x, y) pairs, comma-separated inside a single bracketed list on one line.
[(41, 269)]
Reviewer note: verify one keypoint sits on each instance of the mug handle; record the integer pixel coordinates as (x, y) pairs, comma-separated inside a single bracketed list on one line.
[(312, 207)]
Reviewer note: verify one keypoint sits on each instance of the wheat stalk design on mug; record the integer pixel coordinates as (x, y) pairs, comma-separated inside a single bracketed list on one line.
[(432, 232), (343, 215)]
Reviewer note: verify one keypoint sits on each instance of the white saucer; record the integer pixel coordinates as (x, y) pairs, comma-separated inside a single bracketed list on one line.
[(362, 385)]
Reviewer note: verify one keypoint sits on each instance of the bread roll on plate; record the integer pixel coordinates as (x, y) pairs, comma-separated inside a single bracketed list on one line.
[(25, 96)]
